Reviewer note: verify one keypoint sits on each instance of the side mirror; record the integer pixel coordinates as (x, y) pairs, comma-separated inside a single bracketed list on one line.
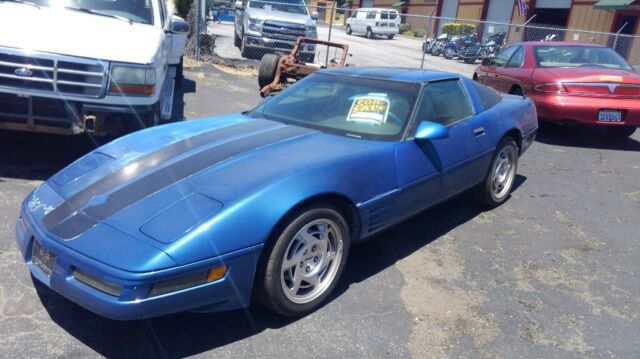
[(238, 5), (314, 15), (487, 62), (178, 25), (428, 130)]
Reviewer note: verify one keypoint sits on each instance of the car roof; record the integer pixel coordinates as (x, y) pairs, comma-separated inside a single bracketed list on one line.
[(556, 43), (391, 74), (375, 8)]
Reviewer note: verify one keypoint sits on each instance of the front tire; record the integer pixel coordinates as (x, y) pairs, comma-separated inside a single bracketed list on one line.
[(301, 268), (348, 30), (498, 182), (448, 54)]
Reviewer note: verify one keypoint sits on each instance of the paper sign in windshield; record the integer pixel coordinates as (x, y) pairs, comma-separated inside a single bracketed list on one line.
[(369, 109)]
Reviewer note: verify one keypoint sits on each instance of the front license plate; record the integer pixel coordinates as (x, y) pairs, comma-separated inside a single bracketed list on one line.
[(609, 116), (43, 258)]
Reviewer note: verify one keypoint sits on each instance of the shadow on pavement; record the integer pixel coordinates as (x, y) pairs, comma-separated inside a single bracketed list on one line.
[(584, 136), (187, 334)]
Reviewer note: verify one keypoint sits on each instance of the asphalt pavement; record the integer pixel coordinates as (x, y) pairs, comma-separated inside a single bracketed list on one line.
[(553, 272)]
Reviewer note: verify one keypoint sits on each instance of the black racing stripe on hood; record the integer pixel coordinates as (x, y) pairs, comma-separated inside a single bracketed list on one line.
[(155, 181)]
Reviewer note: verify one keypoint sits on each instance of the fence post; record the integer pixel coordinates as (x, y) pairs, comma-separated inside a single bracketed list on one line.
[(615, 42), (426, 32), (333, 9), (524, 27), (197, 32)]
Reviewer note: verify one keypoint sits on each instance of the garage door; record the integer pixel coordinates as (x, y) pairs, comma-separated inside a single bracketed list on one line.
[(553, 4), (449, 9), (367, 3), (499, 11)]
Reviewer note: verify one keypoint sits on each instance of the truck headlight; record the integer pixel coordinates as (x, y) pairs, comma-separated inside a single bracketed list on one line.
[(255, 25), (129, 80), (312, 32)]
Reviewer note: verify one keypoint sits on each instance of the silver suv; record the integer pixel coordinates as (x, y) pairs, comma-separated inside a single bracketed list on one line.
[(273, 26)]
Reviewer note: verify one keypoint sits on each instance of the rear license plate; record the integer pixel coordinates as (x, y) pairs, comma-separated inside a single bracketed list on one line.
[(609, 116), (43, 258)]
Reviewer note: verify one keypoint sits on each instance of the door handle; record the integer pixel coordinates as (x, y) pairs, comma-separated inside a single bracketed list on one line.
[(478, 131)]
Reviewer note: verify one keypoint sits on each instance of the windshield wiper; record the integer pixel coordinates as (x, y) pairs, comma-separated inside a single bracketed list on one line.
[(23, 2), (95, 12)]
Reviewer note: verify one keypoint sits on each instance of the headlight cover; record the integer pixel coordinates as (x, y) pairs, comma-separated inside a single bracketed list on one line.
[(255, 25), (132, 80)]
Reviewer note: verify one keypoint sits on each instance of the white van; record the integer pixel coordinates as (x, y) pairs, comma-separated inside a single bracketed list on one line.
[(373, 21)]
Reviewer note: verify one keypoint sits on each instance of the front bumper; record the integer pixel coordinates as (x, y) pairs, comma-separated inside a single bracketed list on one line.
[(584, 110), (274, 45), (60, 116), (230, 292)]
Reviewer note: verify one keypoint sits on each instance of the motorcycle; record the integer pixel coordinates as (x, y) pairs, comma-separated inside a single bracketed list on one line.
[(458, 45), (489, 48), (429, 44)]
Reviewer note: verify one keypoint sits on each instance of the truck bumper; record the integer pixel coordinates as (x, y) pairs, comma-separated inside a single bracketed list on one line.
[(271, 45), (58, 116)]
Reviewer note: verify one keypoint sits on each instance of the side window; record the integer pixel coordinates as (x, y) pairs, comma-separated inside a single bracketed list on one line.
[(384, 15), (517, 59), (354, 14), (445, 102), (502, 58), (371, 15), (488, 97)]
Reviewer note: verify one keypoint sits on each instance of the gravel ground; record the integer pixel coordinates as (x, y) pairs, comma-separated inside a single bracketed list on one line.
[(551, 273)]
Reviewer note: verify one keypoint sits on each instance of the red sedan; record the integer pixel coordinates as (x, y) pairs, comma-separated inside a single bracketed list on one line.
[(569, 83)]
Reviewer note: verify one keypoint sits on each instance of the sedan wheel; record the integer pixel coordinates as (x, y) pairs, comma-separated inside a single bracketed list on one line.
[(301, 267), (311, 261), (497, 185)]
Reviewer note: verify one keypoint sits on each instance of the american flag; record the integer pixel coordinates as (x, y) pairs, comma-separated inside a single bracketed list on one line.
[(523, 7)]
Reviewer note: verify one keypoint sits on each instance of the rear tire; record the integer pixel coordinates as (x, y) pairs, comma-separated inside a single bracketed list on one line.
[(369, 34), (498, 182), (390, 37), (302, 265), (267, 70), (517, 90), (621, 132)]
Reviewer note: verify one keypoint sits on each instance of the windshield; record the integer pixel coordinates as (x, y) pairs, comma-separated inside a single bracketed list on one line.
[(140, 11), (290, 6), (358, 107), (579, 56)]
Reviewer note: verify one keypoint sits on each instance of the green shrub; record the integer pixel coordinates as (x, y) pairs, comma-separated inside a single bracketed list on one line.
[(404, 28), (183, 7), (419, 33), (453, 29)]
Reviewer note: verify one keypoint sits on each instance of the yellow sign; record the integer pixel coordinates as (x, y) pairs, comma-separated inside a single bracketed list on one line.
[(370, 109)]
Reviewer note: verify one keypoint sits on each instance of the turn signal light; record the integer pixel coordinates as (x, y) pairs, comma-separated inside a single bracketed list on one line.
[(188, 281), (216, 273), (140, 90)]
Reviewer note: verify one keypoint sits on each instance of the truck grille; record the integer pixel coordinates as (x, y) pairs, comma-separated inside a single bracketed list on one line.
[(52, 73), (283, 31)]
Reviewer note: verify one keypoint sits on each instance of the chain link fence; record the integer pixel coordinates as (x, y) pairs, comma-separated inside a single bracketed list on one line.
[(246, 30)]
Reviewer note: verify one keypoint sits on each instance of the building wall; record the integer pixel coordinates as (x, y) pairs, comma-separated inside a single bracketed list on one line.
[(583, 16), (469, 9)]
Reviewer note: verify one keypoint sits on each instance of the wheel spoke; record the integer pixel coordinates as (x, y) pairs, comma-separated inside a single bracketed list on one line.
[(313, 280), (296, 281)]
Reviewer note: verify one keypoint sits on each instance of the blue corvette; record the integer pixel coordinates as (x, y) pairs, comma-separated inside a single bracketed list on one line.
[(207, 215)]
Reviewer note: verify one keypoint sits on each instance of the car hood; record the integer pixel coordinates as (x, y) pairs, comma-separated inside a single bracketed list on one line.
[(262, 14), (157, 184), (585, 74), (72, 33)]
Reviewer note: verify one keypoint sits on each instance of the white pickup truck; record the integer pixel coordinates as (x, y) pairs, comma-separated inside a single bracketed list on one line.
[(101, 66)]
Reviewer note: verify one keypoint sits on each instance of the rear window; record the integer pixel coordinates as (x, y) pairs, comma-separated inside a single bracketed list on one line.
[(393, 15), (579, 56), (488, 97)]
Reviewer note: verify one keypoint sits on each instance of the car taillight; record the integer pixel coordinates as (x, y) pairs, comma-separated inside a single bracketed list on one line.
[(551, 87), (627, 90)]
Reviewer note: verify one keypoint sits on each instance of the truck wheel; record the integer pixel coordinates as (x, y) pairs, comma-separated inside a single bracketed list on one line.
[(179, 71), (267, 69), (348, 30), (236, 39), (244, 50), (390, 37), (369, 34)]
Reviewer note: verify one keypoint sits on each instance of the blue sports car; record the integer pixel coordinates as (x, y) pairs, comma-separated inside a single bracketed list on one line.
[(207, 215)]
